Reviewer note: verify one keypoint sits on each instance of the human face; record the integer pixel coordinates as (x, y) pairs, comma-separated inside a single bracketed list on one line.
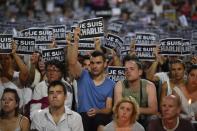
[(192, 79), (41, 65), (34, 58), (53, 73), (125, 111), (86, 64), (56, 96), (97, 65), (177, 71), (132, 72), (6, 60), (8, 102), (169, 108)]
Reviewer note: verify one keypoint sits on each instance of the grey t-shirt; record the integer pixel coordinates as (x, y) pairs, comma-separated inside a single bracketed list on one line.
[(135, 127)]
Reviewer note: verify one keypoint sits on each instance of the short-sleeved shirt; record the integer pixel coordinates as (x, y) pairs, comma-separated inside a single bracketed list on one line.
[(134, 127), (91, 95), (42, 120)]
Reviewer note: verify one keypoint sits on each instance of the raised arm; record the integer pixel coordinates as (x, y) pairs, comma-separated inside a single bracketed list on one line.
[(153, 68), (116, 58), (97, 43), (23, 75), (34, 62), (74, 66)]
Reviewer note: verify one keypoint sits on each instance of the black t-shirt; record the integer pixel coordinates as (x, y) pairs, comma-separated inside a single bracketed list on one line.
[(184, 125)]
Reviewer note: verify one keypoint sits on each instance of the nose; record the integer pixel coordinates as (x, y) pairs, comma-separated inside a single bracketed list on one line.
[(165, 109), (55, 95), (124, 111), (6, 102)]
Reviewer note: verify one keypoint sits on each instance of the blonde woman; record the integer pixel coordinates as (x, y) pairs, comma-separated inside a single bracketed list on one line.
[(125, 116)]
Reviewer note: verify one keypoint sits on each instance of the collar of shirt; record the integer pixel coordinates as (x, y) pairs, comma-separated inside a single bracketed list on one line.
[(65, 116)]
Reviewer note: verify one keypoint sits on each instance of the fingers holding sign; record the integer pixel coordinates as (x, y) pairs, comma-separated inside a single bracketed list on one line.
[(14, 47), (76, 35)]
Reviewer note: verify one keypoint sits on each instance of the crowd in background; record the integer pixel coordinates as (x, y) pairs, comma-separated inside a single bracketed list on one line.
[(78, 95)]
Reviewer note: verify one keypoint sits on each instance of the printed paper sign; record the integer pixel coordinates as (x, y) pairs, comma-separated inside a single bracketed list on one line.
[(41, 35), (25, 45), (145, 52), (55, 53), (115, 27), (145, 38), (186, 47), (86, 45), (116, 73), (5, 43), (91, 28), (59, 32), (145, 45), (171, 46), (113, 42)]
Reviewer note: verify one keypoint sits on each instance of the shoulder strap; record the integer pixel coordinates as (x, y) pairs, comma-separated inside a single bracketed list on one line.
[(20, 120), (124, 86), (143, 84)]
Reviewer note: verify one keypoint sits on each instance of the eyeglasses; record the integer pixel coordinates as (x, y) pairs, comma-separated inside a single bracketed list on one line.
[(53, 70)]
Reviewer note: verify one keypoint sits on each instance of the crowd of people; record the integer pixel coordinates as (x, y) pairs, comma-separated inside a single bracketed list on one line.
[(77, 94)]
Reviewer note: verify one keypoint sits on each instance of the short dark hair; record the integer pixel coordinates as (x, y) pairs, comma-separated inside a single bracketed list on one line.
[(56, 63), (17, 99), (86, 57), (192, 67), (178, 61), (98, 53), (58, 82), (132, 58)]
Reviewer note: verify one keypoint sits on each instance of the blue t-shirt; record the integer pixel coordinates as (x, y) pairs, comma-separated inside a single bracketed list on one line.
[(90, 95)]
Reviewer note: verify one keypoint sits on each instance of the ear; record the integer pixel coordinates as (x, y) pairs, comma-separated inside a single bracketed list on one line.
[(17, 104), (178, 111), (105, 64), (65, 97)]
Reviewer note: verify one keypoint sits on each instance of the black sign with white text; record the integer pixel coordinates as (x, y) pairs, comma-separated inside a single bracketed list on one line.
[(25, 45), (186, 47), (145, 52), (144, 47), (51, 54), (145, 38), (86, 45), (42, 35), (91, 28), (5, 43), (113, 42), (171, 46), (115, 27), (59, 32), (116, 73)]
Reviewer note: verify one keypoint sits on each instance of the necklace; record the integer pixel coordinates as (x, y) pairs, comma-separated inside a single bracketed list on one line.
[(172, 129)]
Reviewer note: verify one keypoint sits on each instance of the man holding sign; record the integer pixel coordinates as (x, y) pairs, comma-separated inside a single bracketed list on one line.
[(94, 88)]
